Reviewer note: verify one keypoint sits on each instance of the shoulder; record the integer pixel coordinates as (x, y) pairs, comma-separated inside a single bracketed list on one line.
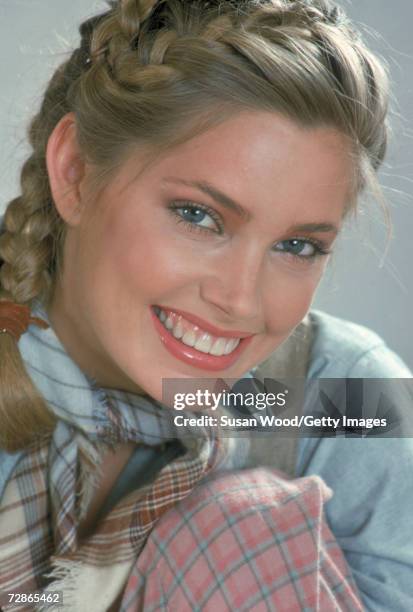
[(370, 511), (342, 349)]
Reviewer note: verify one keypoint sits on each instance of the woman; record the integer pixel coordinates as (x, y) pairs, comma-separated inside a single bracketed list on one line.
[(192, 165)]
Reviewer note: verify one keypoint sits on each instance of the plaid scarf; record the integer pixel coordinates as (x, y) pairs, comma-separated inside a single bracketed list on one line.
[(52, 484)]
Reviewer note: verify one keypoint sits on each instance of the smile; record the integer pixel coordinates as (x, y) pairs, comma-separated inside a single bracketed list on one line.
[(192, 335), (192, 343)]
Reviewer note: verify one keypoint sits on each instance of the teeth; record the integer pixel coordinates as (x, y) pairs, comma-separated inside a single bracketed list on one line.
[(218, 347), (204, 343), (178, 330), (189, 338), (231, 346)]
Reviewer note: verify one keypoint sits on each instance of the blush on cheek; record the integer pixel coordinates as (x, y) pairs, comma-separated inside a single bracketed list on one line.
[(288, 303)]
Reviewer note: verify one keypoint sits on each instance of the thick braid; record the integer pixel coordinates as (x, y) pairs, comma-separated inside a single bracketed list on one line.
[(30, 241), (120, 29), (132, 14), (31, 224), (25, 245), (147, 46), (121, 42)]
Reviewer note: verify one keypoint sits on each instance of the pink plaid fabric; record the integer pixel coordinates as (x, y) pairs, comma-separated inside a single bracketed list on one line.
[(248, 540)]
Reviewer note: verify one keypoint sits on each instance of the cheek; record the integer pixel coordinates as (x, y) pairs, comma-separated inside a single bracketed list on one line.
[(149, 260), (288, 300)]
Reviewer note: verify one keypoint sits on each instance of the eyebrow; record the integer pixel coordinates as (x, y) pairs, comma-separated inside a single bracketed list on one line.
[(314, 227), (214, 193), (230, 204)]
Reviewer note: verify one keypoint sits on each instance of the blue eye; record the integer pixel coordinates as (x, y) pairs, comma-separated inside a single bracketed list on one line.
[(196, 217), (303, 249), (201, 219)]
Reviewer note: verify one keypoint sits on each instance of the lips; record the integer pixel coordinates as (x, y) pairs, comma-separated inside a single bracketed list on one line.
[(197, 342)]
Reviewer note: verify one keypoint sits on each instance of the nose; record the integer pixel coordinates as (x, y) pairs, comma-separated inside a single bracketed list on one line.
[(233, 284)]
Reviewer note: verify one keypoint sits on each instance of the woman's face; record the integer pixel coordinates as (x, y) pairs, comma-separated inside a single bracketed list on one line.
[(201, 264)]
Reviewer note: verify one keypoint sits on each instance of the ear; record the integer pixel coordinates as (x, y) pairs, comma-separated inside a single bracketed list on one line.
[(66, 170)]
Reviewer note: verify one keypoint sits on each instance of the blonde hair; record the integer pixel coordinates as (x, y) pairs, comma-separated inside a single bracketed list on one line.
[(158, 72)]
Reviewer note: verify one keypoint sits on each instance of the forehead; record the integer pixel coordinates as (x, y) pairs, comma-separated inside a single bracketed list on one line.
[(260, 159)]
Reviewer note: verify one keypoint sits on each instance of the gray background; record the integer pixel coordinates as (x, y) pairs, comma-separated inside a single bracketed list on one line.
[(35, 36)]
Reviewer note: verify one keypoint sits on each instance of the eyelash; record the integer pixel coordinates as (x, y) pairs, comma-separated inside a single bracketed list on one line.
[(192, 226), (320, 250)]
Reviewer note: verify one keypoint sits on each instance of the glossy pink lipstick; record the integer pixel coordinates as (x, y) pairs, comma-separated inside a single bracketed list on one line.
[(191, 355)]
